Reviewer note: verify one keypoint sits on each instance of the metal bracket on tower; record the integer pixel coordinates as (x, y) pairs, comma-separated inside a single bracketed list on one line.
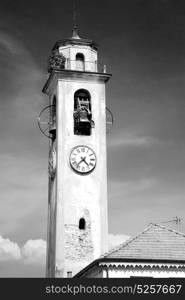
[(109, 120), (47, 123)]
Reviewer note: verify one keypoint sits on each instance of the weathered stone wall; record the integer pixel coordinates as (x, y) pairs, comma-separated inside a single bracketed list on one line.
[(78, 242)]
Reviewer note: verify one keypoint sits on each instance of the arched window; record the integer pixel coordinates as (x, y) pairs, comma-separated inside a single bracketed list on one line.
[(82, 224), (82, 113), (80, 62)]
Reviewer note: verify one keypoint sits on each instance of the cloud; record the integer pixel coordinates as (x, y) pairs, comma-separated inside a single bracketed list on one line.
[(122, 188), (11, 45), (9, 250), (23, 194), (21, 83), (23, 152), (116, 239), (34, 252), (131, 140)]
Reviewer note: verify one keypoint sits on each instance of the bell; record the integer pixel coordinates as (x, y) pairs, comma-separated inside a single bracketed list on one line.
[(52, 130)]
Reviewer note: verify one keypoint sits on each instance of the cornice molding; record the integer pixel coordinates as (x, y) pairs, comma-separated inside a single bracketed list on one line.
[(72, 75)]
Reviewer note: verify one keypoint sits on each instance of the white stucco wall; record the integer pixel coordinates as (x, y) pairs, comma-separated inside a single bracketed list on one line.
[(70, 52), (77, 194)]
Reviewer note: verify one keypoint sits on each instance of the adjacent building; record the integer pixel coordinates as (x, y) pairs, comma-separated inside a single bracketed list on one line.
[(157, 251)]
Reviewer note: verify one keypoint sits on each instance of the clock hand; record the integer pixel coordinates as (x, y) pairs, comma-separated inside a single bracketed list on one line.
[(80, 161), (84, 160)]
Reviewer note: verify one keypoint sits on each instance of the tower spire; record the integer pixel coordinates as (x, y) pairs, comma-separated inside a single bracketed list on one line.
[(75, 28)]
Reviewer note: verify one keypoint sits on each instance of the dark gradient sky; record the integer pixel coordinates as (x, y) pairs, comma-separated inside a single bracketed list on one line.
[(142, 42)]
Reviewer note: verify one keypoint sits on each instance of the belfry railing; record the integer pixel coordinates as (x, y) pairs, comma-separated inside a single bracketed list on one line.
[(88, 66)]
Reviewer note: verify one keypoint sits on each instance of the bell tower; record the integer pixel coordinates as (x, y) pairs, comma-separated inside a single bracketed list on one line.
[(77, 204)]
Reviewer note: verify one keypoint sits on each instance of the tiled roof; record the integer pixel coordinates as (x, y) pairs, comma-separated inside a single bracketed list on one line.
[(156, 242)]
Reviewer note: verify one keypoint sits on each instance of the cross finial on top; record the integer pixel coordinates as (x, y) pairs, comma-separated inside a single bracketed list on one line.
[(75, 28)]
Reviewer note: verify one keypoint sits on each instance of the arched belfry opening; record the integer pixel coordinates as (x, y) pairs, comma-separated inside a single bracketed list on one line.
[(82, 113), (80, 62), (82, 224)]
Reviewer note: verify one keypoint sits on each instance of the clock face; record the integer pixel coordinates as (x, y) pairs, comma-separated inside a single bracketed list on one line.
[(82, 159)]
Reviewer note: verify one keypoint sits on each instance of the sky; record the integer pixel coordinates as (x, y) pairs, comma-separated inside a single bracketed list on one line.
[(142, 43)]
